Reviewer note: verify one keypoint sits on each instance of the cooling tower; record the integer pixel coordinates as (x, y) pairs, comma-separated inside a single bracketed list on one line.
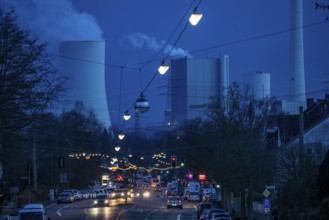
[(84, 62), (258, 83)]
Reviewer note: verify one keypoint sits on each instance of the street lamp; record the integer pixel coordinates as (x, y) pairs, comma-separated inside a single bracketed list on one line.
[(142, 105), (163, 68), (195, 17), (121, 135), (117, 148), (126, 116)]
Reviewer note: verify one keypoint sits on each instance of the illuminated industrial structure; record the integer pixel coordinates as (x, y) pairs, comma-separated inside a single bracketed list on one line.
[(84, 62), (192, 82)]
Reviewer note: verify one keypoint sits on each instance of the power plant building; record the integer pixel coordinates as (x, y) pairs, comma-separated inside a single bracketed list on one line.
[(259, 84), (192, 83), (84, 62)]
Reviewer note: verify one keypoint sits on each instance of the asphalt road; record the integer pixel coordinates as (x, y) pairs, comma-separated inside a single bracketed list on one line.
[(151, 208)]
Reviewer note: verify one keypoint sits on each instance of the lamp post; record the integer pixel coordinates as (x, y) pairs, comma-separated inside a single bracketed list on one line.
[(29, 181)]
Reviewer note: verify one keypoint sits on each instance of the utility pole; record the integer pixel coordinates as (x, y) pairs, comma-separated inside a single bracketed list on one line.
[(34, 162), (301, 130)]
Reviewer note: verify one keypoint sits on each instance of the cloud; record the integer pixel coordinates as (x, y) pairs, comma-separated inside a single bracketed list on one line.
[(54, 21), (140, 41)]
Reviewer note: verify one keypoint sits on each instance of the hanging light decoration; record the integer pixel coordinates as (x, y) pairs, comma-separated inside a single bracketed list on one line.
[(195, 17), (163, 68), (142, 105), (117, 148), (87, 156), (121, 135), (126, 116)]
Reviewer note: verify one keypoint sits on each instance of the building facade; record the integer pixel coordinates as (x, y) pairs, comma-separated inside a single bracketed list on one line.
[(192, 83), (259, 84)]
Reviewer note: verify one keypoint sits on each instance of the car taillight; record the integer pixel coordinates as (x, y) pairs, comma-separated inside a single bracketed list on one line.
[(168, 201), (180, 201)]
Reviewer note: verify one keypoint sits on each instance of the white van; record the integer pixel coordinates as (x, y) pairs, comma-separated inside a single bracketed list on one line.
[(32, 213), (194, 185)]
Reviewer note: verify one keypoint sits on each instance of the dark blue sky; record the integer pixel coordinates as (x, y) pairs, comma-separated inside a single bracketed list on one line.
[(135, 30)]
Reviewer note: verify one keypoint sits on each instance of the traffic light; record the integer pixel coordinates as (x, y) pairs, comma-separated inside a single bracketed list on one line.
[(173, 161), (182, 161)]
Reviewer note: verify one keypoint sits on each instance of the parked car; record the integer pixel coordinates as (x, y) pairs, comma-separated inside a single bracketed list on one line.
[(204, 214), (77, 195), (213, 212), (101, 200), (222, 216), (202, 206), (65, 197), (174, 202)]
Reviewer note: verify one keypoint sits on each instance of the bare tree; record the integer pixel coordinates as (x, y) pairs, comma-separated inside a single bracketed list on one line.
[(232, 142), (29, 82)]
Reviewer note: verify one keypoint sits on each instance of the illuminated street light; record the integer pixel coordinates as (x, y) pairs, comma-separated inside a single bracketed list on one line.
[(117, 148), (126, 116), (142, 105), (163, 68), (195, 17), (121, 135)]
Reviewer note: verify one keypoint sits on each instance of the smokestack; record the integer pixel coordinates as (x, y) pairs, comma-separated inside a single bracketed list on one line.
[(297, 80)]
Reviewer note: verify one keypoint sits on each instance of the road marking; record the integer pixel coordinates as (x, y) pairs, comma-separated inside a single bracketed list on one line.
[(148, 215), (178, 217), (119, 213)]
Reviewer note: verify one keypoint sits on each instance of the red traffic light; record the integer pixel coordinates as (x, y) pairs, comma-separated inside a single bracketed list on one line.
[(173, 161)]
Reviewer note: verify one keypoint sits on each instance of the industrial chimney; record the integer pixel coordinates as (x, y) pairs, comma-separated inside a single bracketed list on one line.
[(297, 94)]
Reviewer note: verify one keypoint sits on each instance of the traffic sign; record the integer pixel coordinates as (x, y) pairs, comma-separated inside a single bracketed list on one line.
[(270, 187), (267, 205), (266, 193)]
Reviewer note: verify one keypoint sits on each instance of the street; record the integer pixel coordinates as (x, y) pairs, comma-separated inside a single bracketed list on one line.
[(152, 208)]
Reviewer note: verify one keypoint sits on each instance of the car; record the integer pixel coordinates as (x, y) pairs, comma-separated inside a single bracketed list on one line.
[(193, 196), (204, 214), (65, 197), (213, 212), (201, 207), (118, 193), (101, 200), (32, 213), (77, 195), (174, 202), (222, 216), (34, 206)]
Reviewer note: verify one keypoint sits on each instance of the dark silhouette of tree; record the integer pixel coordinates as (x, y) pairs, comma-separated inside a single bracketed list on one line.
[(323, 6), (323, 180), (29, 83), (230, 144)]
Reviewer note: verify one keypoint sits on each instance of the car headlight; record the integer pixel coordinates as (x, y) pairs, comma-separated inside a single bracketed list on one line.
[(122, 194), (106, 201), (95, 202)]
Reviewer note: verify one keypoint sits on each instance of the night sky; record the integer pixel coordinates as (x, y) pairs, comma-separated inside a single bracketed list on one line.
[(255, 34)]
